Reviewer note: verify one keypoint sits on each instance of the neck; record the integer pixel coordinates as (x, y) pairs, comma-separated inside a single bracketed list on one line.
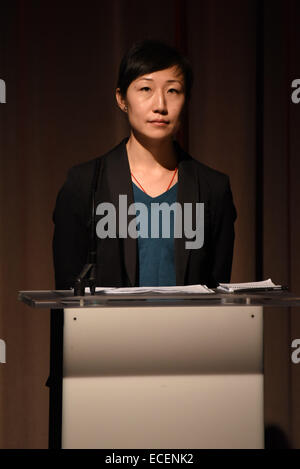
[(148, 155)]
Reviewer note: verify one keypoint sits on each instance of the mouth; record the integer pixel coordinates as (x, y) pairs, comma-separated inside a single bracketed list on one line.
[(159, 122)]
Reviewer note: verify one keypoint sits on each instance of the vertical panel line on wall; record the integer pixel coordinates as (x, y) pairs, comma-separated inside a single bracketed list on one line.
[(181, 45), (259, 229), (288, 14)]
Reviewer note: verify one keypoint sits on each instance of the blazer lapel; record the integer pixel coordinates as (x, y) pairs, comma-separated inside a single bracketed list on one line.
[(187, 193), (119, 183)]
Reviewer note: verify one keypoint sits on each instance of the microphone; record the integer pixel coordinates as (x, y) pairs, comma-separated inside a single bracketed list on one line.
[(88, 275)]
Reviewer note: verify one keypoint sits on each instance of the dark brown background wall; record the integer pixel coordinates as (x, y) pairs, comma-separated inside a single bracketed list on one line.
[(60, 61)]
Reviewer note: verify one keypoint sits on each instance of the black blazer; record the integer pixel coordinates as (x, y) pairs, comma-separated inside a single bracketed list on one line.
[(117, 258)]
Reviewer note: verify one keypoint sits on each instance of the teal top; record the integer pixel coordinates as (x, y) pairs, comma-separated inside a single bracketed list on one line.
[(156, 254)]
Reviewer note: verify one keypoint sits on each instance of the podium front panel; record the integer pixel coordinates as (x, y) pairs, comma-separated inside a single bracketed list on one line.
[(163, 377)]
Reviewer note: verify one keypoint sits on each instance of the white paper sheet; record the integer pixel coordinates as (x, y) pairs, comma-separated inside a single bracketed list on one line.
[(230, 287), (169, 289)]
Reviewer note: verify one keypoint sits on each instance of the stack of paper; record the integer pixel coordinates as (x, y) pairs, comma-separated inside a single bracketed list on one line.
[(169, 289), (264, 284)]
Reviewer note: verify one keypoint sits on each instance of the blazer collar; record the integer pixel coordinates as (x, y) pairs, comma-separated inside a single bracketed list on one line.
[(119, 182)]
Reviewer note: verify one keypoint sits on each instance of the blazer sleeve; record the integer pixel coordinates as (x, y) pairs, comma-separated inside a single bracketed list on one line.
[(223, 233), (71, 234)]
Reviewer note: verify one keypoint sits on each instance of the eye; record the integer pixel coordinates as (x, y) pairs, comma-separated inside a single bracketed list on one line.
[(174, 90), (145, 88)]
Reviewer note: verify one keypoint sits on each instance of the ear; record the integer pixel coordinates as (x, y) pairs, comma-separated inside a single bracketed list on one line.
[(120, 100)]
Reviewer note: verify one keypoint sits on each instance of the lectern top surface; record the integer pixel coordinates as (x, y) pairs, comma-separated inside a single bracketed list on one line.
[(61, 299)]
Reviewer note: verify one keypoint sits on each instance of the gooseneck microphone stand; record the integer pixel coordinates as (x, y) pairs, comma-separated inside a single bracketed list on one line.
[(87, 277)]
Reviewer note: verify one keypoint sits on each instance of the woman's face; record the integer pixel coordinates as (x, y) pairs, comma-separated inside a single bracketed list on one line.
[(155, 103)]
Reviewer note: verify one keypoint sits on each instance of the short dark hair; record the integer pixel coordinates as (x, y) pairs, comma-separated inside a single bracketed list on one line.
[(149, 55)]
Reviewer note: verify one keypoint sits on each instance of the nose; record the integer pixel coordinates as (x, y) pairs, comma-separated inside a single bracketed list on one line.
[(159, 102)]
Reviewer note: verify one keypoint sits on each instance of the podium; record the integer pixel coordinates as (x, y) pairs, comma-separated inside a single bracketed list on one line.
[(161, 371)]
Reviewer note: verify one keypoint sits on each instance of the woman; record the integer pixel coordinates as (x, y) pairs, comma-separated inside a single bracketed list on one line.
[(147, 168)]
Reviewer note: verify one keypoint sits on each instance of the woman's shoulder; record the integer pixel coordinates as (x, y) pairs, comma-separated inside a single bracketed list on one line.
[(208, 170), (75, 192), (204, 171), (83, 172)]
